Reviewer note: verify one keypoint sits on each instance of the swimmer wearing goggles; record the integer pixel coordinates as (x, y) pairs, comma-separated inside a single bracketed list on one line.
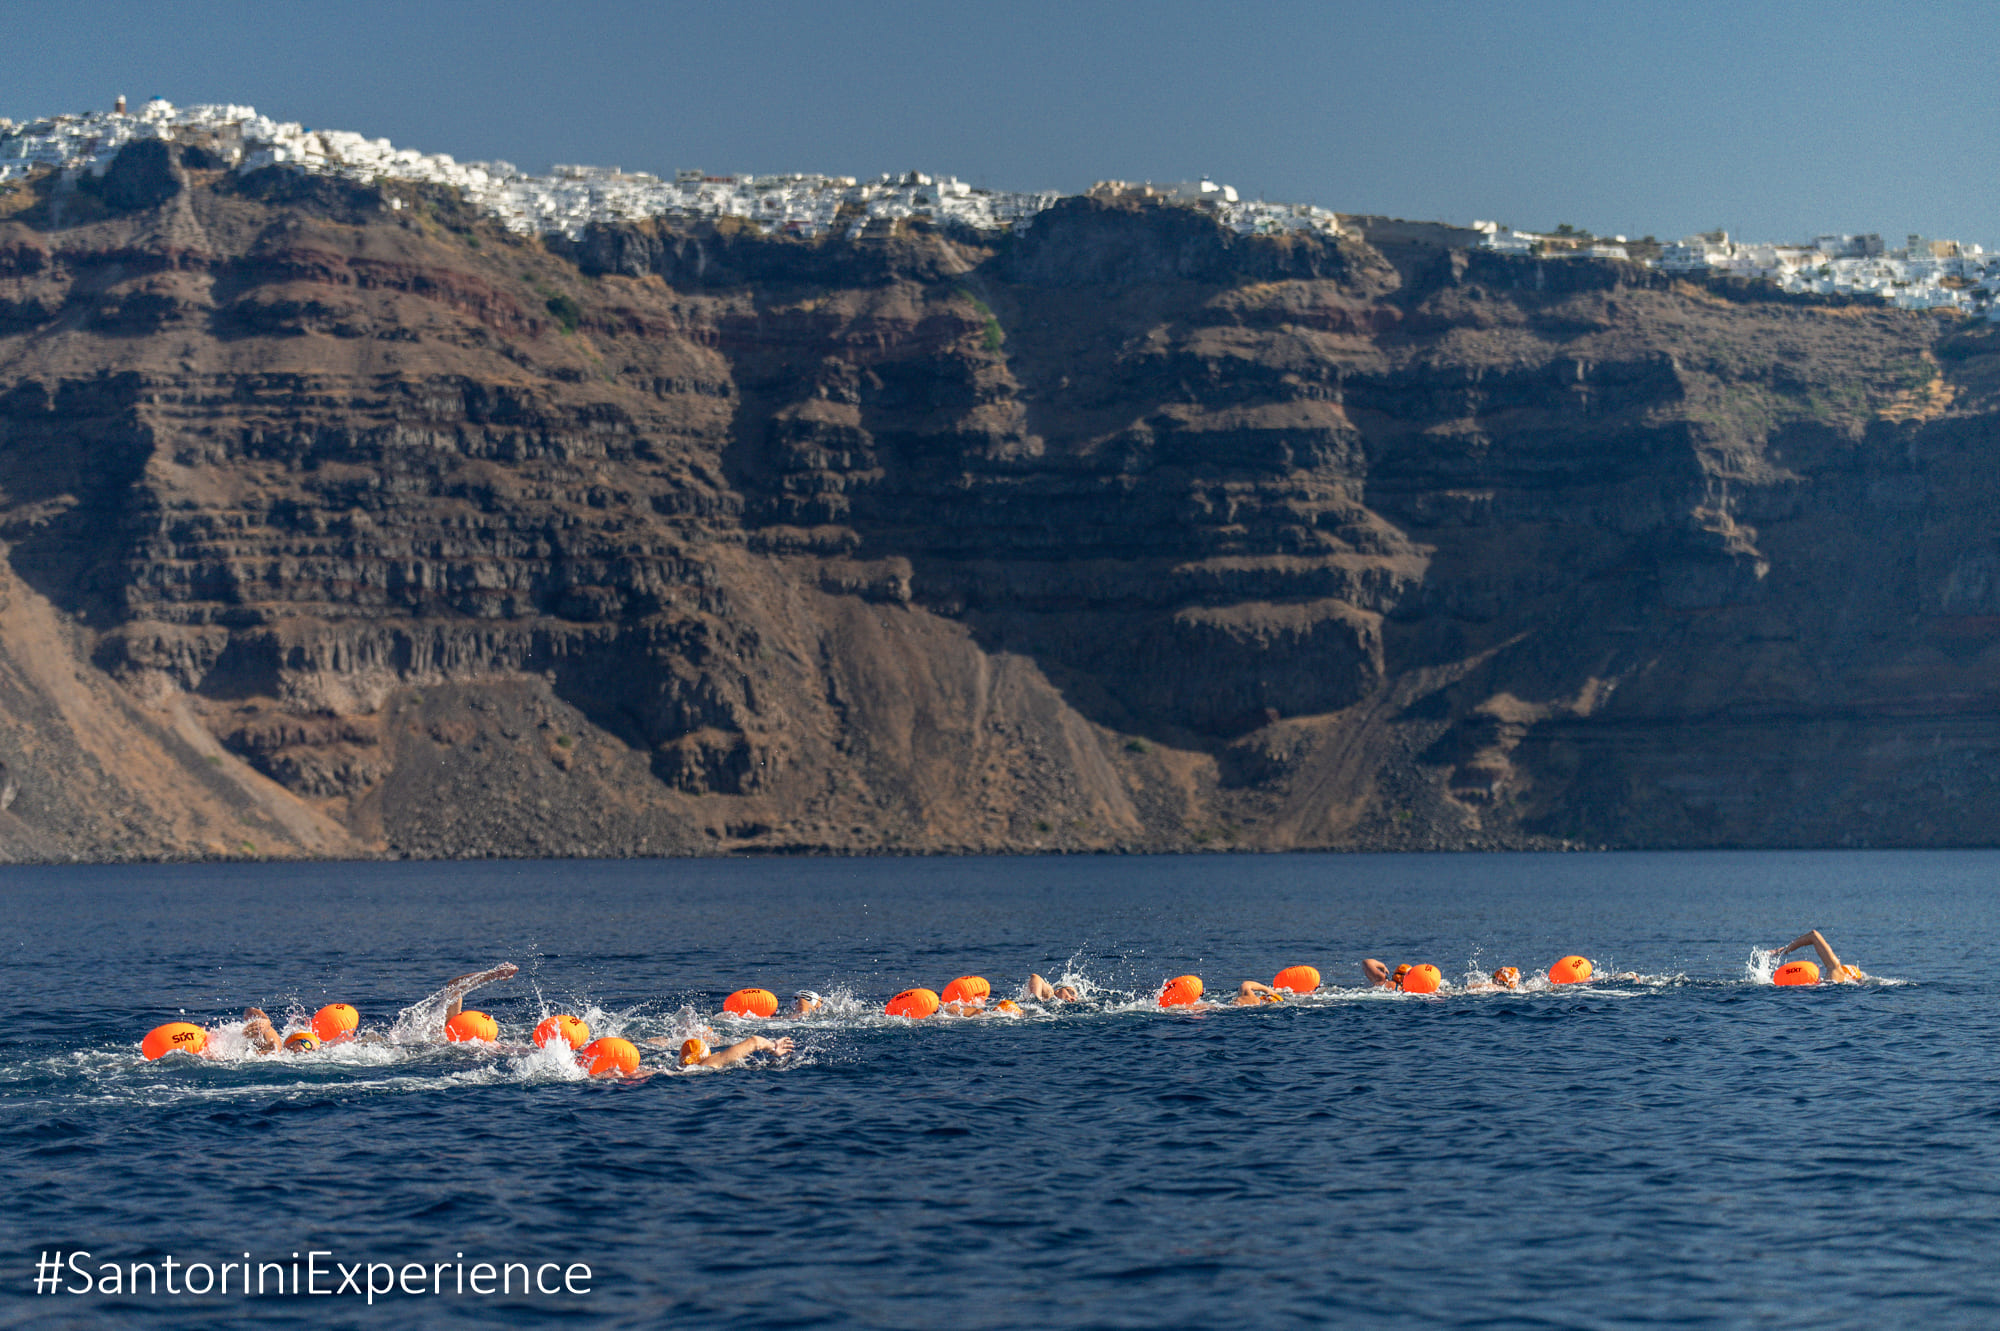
[(1251, 993), (806, 1003), (1836, 972)]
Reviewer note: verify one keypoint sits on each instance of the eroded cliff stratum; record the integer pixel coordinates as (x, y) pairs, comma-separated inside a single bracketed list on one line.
[(338, 522)]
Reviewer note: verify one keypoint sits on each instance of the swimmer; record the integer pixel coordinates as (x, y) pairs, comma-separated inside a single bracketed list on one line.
[(1043, 992), (1252, 994), (1507, 977), (696, 1052), (1836, 973), (1380, 977), (265, 1039), (805, 1003)]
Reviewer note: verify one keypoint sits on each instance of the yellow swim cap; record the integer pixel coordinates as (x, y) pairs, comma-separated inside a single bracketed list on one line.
[(692, 1052), (301, 1042)]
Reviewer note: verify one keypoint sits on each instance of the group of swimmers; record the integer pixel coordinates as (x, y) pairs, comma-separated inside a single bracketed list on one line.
[(966, 996)]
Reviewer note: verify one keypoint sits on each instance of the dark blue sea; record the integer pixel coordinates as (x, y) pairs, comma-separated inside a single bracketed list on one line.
[(1675, 1143)]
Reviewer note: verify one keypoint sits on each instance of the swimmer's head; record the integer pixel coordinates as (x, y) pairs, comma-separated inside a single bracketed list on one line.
[(1008, 1006), (1401, 971), (1508, 977), (805, 1002), (301, 1042), (692, 1052)]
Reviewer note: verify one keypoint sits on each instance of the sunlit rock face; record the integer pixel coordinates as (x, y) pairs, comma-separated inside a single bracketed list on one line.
[(343, 520)]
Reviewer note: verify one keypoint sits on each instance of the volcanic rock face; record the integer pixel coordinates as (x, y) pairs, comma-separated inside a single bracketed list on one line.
[(338, 522)]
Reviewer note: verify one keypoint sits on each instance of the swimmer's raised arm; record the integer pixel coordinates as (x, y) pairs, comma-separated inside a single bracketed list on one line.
[(1813, 938), (1835, 972), (1376, 972), (456, 990), (1253, 992)]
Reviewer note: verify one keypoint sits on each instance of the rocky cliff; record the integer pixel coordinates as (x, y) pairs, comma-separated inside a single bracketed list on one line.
[(338, 522)]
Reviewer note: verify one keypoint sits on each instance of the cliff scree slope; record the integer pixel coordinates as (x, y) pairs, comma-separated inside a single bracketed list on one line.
[(339, 522)]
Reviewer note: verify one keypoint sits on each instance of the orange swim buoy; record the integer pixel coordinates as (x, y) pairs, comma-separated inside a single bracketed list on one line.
[(1796, 972), (182, 1035), (570, 1030), (609, 1057), (1298, 979), (913, 1003), (966, 989), (751, 1003), (470, 1025), (335, 1021), (1181, 991), (1423, 979), (1570, 970)]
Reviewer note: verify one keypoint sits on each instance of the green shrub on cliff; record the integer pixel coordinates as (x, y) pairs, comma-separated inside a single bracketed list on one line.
[(991, 333)]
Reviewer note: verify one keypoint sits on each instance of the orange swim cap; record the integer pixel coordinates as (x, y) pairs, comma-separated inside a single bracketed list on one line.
[(470, 1025), (1008, 1006), (1423, 979), (692, 1052), (609, 1057), (751, 1003), (1397, 978), (1298, 979), (1570, 970), (1796, 972), (966, 989), (564, 1027), (1508, 977), (301, 1042), (335, 1021), (1181, 991), (913, 1003), (182, 1035)]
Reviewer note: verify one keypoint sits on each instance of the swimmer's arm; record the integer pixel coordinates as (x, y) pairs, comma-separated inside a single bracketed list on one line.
[(1039, 989), (258, 1030), (456, 990), (742, 1049), (1252, 991), (1818, 944), (1376, 972)]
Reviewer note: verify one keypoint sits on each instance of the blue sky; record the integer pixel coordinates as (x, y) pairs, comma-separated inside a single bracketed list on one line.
[(1776, 121)]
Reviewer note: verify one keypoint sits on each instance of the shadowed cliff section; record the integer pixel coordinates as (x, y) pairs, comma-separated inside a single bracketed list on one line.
[(339, 522)]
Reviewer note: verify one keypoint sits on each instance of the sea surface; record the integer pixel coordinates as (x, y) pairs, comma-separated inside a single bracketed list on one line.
[(1675, 1143)]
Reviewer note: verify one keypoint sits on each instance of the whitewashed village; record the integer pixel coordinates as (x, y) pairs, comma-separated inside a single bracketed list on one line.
[(1923, 273)]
